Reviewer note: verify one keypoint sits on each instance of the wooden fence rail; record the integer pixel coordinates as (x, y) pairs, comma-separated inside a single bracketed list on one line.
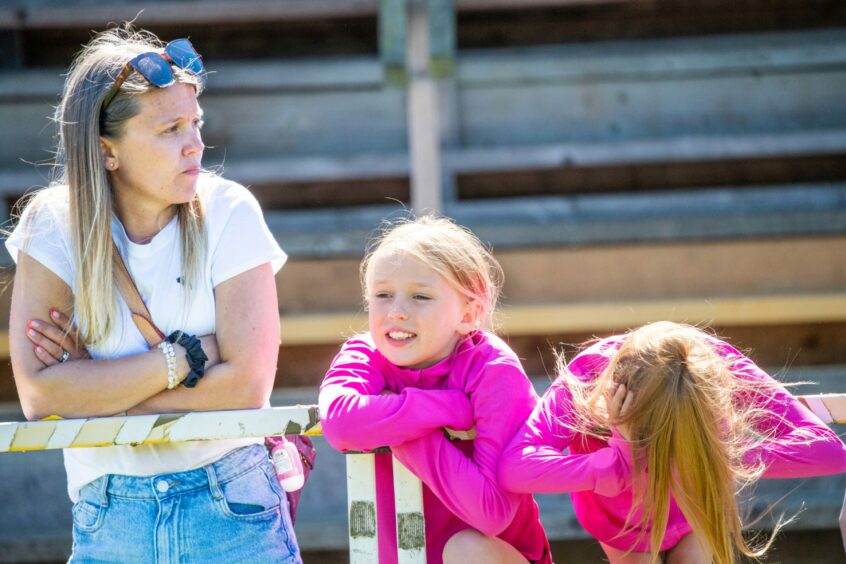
[(56, 433)]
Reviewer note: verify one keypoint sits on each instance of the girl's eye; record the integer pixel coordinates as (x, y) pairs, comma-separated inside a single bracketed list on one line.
[(421, 297), (198, 123), (172, 129), (381, 295)]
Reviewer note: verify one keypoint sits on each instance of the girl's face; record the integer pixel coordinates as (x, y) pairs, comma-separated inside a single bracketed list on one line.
[(156, 161), (416, 316)]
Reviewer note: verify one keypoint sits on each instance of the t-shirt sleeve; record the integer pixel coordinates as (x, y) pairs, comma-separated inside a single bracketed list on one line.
[(244, 241), (42, 233)]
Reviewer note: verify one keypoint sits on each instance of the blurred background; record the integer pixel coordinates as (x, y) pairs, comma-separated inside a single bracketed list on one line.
[(628, 160)]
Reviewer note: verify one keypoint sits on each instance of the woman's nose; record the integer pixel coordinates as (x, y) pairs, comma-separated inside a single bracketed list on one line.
[(195, 145)]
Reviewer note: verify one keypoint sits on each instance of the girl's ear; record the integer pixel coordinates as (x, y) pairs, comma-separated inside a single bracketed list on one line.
[(472, 318)]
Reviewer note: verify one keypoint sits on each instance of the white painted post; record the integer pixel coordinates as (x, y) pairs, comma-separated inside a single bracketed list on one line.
[(423, 128), (361, 508), (411, 528)]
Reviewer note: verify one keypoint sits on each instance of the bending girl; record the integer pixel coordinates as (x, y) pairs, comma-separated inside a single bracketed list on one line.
[(203, 260), (702, 418), (426, 364)]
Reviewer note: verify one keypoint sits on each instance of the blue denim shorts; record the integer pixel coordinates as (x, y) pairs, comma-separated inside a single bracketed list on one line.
[(232, 510)]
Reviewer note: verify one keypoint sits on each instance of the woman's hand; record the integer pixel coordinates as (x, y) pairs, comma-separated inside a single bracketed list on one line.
[(56, 340), (618, 406)]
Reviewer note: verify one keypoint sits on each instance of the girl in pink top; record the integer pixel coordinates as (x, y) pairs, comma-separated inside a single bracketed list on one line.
[(425, 365), (705, 421)]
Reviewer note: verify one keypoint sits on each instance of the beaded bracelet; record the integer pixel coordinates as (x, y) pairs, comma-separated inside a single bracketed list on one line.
[(170, 357), (195, 355)]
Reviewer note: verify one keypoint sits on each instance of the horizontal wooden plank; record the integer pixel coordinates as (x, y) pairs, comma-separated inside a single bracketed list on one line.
[(651, 59), (39, 14), (469, 160), (558, 318), (57, 433)]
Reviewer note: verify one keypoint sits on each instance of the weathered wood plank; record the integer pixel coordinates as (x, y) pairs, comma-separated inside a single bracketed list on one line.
[(362, 510), (408, 504), (36, 14), (196, 426)]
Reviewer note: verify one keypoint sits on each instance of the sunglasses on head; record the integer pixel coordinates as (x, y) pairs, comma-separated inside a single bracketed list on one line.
[(155, 67)]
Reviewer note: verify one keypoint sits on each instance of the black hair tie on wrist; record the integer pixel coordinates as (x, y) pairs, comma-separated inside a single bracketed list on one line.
[(195, 355)]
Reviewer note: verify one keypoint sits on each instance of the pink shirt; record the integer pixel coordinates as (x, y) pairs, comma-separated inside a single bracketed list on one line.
[(481, 383), (597, 473)]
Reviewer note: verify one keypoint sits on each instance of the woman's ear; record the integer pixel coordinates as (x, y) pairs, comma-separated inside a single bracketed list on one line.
[(472, 318), (108, 152)]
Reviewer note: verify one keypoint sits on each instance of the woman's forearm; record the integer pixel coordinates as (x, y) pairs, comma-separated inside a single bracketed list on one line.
[(92, 388)]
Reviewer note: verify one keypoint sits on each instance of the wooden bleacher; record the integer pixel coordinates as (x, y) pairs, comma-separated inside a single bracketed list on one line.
[(628, 160)]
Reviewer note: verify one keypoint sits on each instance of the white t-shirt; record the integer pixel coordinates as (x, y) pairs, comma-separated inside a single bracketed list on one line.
[(237, 240)]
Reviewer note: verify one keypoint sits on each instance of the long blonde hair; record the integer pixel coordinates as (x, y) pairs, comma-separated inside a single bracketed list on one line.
[(79, 166), (691, 421), (452, 251)]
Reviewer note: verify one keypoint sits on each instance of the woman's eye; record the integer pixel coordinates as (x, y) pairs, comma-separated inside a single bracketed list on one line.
[(381, 295), (422, 297), (198, 123), (172, 129)]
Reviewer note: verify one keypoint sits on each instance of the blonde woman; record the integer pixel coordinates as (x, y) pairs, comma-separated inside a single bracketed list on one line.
[(129, 160), (662, 426)]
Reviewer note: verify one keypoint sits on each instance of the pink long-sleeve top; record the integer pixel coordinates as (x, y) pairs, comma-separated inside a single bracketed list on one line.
[(597, 473), (481, 383)]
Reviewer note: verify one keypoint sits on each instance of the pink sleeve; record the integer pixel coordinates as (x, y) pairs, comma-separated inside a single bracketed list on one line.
[(502, 399), (801, 445), (534, 461), (356, 416)]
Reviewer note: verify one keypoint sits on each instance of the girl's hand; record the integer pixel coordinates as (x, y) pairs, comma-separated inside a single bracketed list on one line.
[(455, 435), (618, 406), (56, 340)]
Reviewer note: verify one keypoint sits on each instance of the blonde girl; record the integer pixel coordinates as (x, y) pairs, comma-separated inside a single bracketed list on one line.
[(427, 363), (662, 426)]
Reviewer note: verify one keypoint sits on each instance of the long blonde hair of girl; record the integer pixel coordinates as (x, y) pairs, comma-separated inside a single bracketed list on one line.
[(79, 167), (691, 421)]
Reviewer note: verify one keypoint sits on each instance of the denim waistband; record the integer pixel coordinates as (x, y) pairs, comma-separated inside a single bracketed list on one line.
[(162, 486)]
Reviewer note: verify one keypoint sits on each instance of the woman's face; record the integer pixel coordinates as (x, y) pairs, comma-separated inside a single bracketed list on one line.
[(155, 163)]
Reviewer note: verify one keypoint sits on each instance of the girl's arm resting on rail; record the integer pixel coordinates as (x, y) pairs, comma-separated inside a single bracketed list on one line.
[(356, 415), (80, 388), (535, 461), (247, 342), (502, 399), (799, 445)]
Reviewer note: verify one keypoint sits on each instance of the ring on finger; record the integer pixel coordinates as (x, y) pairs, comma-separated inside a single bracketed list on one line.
[(65, 356)]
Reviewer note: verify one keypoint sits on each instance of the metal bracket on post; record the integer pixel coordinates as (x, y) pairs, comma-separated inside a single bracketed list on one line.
[(393, 31)]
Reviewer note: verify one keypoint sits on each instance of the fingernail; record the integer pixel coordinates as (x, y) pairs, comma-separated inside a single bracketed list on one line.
[(34, 323), (54, 313), (32, 333), (37, 348)]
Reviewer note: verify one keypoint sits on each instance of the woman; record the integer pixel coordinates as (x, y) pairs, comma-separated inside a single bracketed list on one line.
[(203, 260)]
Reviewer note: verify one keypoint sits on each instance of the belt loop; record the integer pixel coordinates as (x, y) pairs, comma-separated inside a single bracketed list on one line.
[(214, 486), (103, 491)]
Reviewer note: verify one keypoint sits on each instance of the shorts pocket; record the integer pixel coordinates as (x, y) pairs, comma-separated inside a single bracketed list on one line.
[(250, 496), (88, 512)]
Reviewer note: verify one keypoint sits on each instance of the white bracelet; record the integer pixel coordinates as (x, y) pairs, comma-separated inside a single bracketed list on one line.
[(170, 358)]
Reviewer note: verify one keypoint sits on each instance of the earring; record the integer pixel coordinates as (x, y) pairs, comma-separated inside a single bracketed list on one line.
[(111, 165)]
